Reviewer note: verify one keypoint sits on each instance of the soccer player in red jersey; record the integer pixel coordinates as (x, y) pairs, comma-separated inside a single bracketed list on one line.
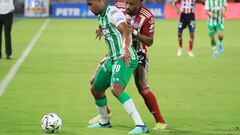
[(187, 18), (141, 23)]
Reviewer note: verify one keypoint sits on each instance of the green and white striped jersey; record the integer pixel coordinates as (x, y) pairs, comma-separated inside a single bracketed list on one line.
[(215, 6), (109, 19)]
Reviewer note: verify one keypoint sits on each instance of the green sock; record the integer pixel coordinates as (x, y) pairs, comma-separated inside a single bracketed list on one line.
[(101, 102), (213, 43), (123, 97)]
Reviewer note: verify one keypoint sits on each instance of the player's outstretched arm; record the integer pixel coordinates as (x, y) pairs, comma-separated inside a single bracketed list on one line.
[(224, 11), (124, 29), (99, 33), (210, 14), (175, 7)]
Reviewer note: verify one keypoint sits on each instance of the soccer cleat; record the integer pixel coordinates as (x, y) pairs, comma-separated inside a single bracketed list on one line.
[(99, 125), (160, 126), (215, 53), (96, 119), (190, 54), (180, 50), (221, 48), (139, 129)]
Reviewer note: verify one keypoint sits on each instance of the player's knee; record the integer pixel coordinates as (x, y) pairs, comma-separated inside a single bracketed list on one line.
[(93, 90), (116, 90), (91, 82), (96, 93), (212, 38)]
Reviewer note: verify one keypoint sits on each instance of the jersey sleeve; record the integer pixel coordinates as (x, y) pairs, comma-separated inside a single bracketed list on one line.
[(225, 3), (148, 27), (207, 5), (117, 17)]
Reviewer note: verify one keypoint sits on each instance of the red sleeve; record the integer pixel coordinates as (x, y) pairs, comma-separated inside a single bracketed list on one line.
[(148, 27)]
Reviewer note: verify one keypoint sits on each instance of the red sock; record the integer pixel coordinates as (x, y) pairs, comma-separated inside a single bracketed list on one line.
[(152, 105), (190, 44)]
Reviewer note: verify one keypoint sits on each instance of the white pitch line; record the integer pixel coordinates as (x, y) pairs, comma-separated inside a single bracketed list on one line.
[(15, 67)]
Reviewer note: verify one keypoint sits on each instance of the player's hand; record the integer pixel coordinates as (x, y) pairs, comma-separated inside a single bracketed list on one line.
[(125, 56), (224, 12), (128, 18), (131, 28), (99, 33), (212, 15), (178, 11)]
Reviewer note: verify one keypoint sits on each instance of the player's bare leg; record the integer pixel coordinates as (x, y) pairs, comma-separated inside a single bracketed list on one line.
[(220, 38), (214, 48), (129, 106), (109, 114), (101, 103), (180, 45), (191, 40)]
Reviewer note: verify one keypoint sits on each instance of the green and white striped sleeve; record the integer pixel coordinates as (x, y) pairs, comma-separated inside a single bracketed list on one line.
[(207, 8), (225, 3)]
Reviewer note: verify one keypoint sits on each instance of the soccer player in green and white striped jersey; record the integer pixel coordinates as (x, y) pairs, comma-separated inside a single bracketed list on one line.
[(117, 69), (216, 11)]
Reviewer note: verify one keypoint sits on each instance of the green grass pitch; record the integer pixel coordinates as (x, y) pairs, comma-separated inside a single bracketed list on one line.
[(197, 96)]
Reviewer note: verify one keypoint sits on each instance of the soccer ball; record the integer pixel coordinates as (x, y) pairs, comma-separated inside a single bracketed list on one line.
[(51, 123)]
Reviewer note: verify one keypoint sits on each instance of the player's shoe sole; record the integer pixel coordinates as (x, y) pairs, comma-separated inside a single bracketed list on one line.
[(139, 129), (99, 125), (160, 126), (96, 119)]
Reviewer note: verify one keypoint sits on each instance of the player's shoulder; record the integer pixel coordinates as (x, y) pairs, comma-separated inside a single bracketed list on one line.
[(113, 10), (120, 3), (146, 12)]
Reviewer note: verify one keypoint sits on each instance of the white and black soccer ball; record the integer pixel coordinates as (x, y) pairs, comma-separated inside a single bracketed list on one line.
[(51, 123)]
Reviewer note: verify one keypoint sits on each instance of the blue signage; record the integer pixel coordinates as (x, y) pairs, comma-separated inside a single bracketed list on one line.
[(62, 10), (156, 9), (77, 10)]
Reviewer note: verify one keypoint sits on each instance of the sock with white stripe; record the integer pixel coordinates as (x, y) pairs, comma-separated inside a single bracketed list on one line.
[(102, 110), (129, 106)]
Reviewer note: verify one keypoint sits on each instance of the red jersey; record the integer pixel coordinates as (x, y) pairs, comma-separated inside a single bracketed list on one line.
[(143, 22), (121, 5), (187, 6)]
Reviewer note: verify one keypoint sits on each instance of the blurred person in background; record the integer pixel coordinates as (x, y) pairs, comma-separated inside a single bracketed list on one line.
[(216, 11), (6, 19), (187, 18)]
